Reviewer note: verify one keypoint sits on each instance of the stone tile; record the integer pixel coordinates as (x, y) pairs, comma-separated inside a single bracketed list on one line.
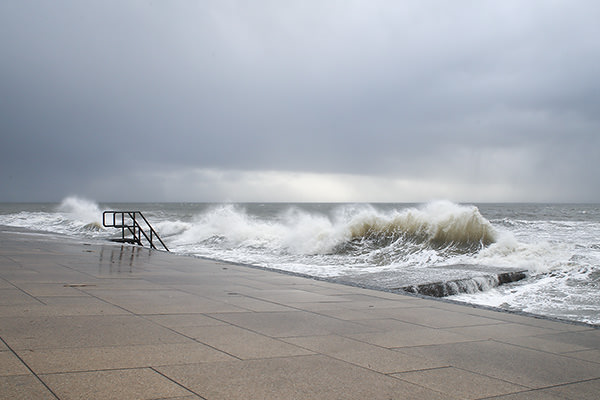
[(589, 390), (382, 324), (118, 284), (294, 296), (589, 355), (589, 338), (293, 378), (119, 357), (437, 318), (346, 314), (499, 331), (368, 356), (539, 394), (183, 320), (23, 387), (356, 301), (54, 289), (115, 384), (325, 288), (543, 344), (288, 324), (54, 275), (163, 302), (383, 308), (11, 365), (250, 304), (84, 331), (242, 343), (4, 284), (16, 297), (315, 307), (416, 336), (460, 383), (397, 296), (523, 319), (62, 306), (518, 365)]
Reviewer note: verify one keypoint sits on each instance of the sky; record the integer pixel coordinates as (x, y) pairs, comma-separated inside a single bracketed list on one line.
[(312, 100)]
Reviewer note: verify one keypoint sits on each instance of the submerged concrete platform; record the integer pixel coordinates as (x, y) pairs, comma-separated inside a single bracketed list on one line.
[(105, 321)]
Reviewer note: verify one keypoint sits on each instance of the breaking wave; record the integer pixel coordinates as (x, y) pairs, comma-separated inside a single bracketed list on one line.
[(439, 225), (556, 244), (73, 216), (350, 235)]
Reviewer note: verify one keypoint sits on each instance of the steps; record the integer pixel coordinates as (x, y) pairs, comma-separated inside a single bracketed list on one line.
[(135, 228)]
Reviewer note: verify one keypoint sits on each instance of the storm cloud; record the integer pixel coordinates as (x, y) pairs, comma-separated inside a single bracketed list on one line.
[(300, 100)]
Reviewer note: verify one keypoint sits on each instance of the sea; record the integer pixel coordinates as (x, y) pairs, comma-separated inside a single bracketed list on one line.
[(382, 246)]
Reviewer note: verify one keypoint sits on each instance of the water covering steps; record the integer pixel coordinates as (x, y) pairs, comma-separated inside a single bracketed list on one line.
[(466, 285), (440, 280)]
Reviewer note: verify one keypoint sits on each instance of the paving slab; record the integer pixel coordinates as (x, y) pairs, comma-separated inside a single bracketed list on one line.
[(460, 383), (290, 323), (30, 333), (589, 355), (305, 377), (362, 354), (62, 306), (588, 390), (24, 387), (143, 383), (433, 317), (82, 359), (518, 365), (545, 344), (164, 301), (84, 320), (174, 321), (409, 336), (242, 343), (11, 365), (500, 331)]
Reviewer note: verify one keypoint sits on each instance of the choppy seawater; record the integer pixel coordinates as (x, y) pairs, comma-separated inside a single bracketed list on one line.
[(382, 244)]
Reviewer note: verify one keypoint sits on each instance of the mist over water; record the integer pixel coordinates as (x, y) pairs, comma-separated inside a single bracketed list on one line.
[(558, 245)]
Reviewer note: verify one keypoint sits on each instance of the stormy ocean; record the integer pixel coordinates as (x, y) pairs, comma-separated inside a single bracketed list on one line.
[(387, 246)]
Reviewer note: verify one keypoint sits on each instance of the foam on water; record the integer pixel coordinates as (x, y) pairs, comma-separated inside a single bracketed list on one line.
[(558, 246), (73, 216), (350, 236), (439, 225)]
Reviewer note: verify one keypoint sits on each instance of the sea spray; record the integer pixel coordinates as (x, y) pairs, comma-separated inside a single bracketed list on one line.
[(82, 210), (557, 245), (439, 225)]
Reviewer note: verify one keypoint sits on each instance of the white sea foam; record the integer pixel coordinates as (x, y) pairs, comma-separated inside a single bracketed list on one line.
[(558, 246), (80, 209)]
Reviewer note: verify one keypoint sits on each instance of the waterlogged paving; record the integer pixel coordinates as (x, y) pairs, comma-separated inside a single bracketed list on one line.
[(94, 320)]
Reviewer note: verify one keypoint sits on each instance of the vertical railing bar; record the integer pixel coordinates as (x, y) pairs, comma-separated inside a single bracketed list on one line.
[(135, 228)]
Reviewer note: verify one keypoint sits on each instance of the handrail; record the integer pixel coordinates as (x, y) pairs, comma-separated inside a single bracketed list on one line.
[(132, 226)]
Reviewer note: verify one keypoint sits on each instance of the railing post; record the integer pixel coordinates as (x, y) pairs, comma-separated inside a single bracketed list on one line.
[(135, 228)]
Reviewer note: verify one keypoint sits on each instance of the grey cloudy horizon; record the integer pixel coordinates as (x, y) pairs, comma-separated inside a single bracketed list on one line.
[(300, 100)]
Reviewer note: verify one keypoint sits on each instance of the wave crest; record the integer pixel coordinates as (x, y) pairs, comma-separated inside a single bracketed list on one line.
[(81, 209), (438, 225)]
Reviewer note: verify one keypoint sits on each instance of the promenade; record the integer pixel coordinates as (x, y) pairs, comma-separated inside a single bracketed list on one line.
[(105, 321)]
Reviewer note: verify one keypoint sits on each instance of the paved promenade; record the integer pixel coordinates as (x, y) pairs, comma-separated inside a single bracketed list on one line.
[(105, 321)]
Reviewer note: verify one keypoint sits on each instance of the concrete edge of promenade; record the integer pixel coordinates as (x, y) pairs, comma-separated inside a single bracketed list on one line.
[(100, 320)]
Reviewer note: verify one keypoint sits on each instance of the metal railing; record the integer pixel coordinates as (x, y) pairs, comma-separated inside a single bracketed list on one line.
[(130, 221)]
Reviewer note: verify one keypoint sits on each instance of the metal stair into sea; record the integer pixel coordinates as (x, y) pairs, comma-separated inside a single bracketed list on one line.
[(135, 228)]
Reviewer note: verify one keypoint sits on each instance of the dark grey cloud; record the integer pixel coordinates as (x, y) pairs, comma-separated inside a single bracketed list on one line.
[(468, 93)]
